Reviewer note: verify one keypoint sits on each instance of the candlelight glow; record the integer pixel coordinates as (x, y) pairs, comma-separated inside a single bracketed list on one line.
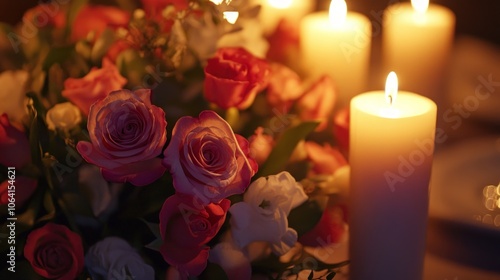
[(391, 87), (231, 16), (420, 6), (216, 2), (338, 12), (281, 4)]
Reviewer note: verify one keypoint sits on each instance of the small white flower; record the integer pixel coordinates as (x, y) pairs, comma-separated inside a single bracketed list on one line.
[(63, 116), (263, 214)]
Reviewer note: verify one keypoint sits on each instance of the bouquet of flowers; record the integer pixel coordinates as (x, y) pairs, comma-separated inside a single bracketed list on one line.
[(165, 139)]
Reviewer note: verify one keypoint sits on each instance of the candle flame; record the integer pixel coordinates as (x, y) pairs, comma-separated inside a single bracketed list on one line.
[(231, 16), (391, 87), (338, 12), (420, 6), (281, 4)]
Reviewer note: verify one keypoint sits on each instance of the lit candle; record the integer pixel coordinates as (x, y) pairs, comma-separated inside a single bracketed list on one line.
[(337, 43), (417, 40), (272, 11), (391, 148)]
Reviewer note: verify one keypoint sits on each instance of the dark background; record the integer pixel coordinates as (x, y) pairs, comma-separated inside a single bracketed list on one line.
[(477, 18)]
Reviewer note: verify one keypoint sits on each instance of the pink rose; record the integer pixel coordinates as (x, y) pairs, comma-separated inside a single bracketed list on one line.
[(185, 228), (318, 101), (96, 19), (127, 134), (325, 159), (95, 85), (285, 86), (234, 77), (261, 145), (206, 159), (341, 129), (24, 188), (14, 145), (55, 252)]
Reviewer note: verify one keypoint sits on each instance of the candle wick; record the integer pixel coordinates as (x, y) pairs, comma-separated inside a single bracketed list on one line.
[(390, 99)]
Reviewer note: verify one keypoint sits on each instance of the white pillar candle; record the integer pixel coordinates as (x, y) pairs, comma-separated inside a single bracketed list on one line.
[(416, 43), (337, 43), (391, 148), (272, 11)]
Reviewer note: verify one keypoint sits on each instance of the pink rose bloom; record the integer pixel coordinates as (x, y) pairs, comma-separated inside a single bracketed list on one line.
[(284, 86), (127, 134), (318, 101), (96, 19), (95, 85), (261, 145), (186, 226), (341, 129), (234, 77), (325, 159), (14, 145), (24, 189), (55, 252), (207, 160)]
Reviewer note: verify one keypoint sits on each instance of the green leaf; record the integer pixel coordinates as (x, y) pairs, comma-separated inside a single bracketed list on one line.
[(155, 245), (58, 55), (155, 228), (305, 217), (39, 134), (284, 148)]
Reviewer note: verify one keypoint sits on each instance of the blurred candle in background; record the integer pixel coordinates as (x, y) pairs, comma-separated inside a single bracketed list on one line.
[(337, 43), (417, 40), (272, 11), (390, 154)]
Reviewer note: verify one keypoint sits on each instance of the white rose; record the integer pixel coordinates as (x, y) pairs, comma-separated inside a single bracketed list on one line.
[(114, 258), (63, 116), (263, 214), (13, 94)]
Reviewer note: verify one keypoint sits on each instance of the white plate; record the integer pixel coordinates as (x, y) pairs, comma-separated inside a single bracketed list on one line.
[(459, 177)]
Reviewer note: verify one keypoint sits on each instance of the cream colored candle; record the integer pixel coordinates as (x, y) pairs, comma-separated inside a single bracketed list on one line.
[(417, 39), (272, 11), (391, 148), (337, 43)]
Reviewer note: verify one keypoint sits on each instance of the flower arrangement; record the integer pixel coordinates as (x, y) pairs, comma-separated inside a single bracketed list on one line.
[(160, 140)]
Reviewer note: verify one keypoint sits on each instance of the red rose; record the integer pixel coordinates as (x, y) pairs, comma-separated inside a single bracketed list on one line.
[(97, 84), (325, 159), (318, 101), (96, 19), (55, 252), (185, 228), (341, 129), (284, 44), (154, 7), (330, 228), (127, 135), (24, 189), (285, 86), (46, 15), (234, 77), (207, 160), (14, 145)]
